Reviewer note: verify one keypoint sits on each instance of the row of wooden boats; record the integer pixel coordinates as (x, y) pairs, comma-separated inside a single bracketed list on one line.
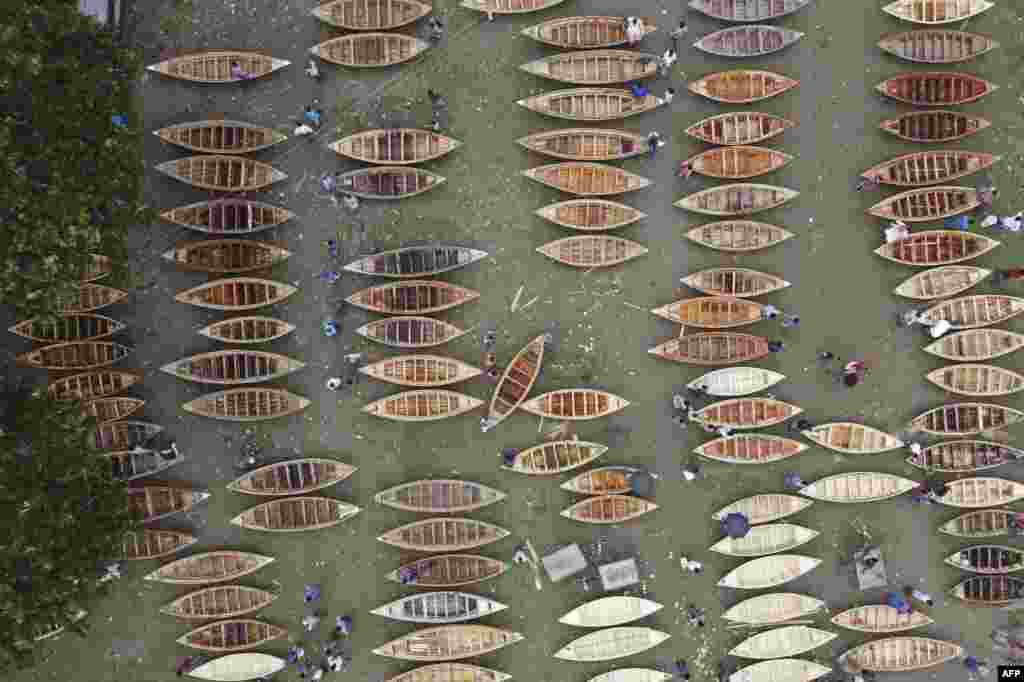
[(433, 404)]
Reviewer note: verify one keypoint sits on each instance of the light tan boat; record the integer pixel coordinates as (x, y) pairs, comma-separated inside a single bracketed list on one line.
[(584, 33), (439, 496), (750, 448), (739, 199), (448, 642), (853, 439), (897, 654), (592, 250), (934, 12), (765, 539), (421, 371), (575, 404), (632, 675), (370, 50), (515, 382), (765, 508), (294, 514), (742, 86), (451, 672), (590, 104), (768, 571), (209, 567), (611, 480), (981, 491), (557, 457), (439, 608), (738, 162), (733, 382), (395, 146), (586, 144), (948, 280), (735, 282), (781, 670), (220, 136), (966, 419), (776, 607), (970, 312), (611, 643), (250, 404), (783, 642), (610, 611), (976, 345), (738, 235), (247, 329), (858, 486), (586, 179), (238, 668), (879, 619), (978, 381), (222, 173), (220, 601), (712, 348), (711, 312), (371, 15), (292, 477), (443, 534), (984, 523), (964, 456), (423, 405), (594, 67)]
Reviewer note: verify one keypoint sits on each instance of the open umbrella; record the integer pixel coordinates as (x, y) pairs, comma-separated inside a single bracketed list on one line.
[(735, 525)]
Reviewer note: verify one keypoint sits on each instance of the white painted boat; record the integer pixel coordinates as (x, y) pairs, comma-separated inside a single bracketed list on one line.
[(858, 486), (768, 571), (238, 668), (781, 670), (732, 382), (610, 611), (784, 642), (611, 643), (776, 607), (766, 539)]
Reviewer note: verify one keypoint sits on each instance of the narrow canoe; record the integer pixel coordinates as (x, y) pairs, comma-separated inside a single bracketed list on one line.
[(247, 404), (747, 10), (738, 162), (936, 247), (222, 256), (421, 371), (370, 50), (765, 508), (228, 216), (238, 667), (412, 297), (416, 261), (292, 477), (575, 404), (984, 523), (423, 405), (712, 348), (746, 413), (632, 675), (608, 509), (737, 199), (371, 15), (987, 559), (448, 642), (936, 11), (610, 611), (750, 448), (768, 571), (935, 88), (125, 435), (711, 312), (77, 355), (948, 280), (247, 329), (231, 367), (68, 328), (515, 382), (586, 144), (449, 570), (977, 381), (739, 128), (734, 382), (937, 46), (896, 654), (765, 539), (221, 173), (748, 40), (89, 298), (295, 514), (154, 501), (929, 168), (611, 643), (976, 344), (981, 491), (149, 543), (220, 137), (964, 456), (772, 608), (410, 332), (934, 126), (590, 104), (509, 6), (130, 465), (791, 640), (610, 480), (965, 419), (233, 634), (439, 496), (221, 601), (209, 567), (853, 439), (215, 66), (969, 312), (858, 486), (931, 203), (591, 215), (594, 67), (439, 608), (742, 86), (989, 590), (395, 146), (92, 385), (880, 619), (236, 293), (443, 534), (584, 33), (451, 672), (556, 457), (592, 251), (586, 179), (738, 235), (388, 182), (787, 669)]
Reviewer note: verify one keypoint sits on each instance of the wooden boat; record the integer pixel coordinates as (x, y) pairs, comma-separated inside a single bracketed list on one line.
[(388, 182), (984, 523), (220, 256), (879, 619), (439, 608), (934, 126), (765, 508), (124, 435), (97, 266), (155, 501), (608, 509), (733, 382), (936, 11), (712, 348), (221, 173), (768, 571), (783, 642), (858, 486), (584, 33), (439, 496), (746, 413), (92, 385), (594, 67), (422, 405), (739, 128), (214, 66), (556, 457), (448, 642), (586, 179), (742, 86), (228, 216), (937, 46), (964, 456), (220, 136), (150, 543), (586, 144), (443, 534), (987, 559), (610, 611), (515, 382), (247, 404), (509, 6), (221, 601), (969, 312), (416, 261), (231, 367), (611, 643), (788, 669), (738, 162), (371, 15), (738, 235), (448, 570), (412, 297), (853, 439), (772, 608), (395, 146), (747, 10), (293, 477), (750, 448), (936, 247), (948, 280), (711, 312), (247, 329), (90, 298), (737, 199), (77, 355), (410, 332), (590, 104), (632, 675), (976, 344), (294, 514), (451, 672), (590, 215), (68, 328), (129, 465), (965, 419), (931, 203), (981, 491), (977, 381), (592, 251), (238, 667), (421, 371), (748, 40), (575, 404), (233, 634), (236, 293), (105, 410), (989, 590), (765, 539), (929, 168), (610, 480), (935, 88), (368, 50), (209, 567), (896, 654)]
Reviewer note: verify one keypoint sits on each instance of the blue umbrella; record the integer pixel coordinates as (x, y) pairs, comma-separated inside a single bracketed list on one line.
[(735, 525)]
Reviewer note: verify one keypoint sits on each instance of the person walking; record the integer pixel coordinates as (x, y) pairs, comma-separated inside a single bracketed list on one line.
[(792, 481), (668, 58), (654, 141), (776, 346), (769, 312), (313, 116), (920, 595), (669, 95), (436, 27), (695, 616), (682, 668), (343, 625), (691, 566)]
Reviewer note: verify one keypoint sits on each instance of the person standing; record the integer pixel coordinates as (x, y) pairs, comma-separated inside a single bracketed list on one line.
[(667, 60), (654, 141)]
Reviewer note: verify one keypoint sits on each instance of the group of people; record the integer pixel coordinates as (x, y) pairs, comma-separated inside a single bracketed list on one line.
[(332, 658)]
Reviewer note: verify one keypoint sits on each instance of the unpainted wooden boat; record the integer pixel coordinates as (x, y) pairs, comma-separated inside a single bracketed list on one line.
[(750, 448), (236, 293), (295, 514), (222, 173), (247, 404), (858, 486), (97, 266), (410, 332), (395, 146), (965, 419), (556, 457), (935, 88), (369, 50), (768, 571), (388, 182), (451, 672), (788, 669), (129, 465), (878, 619), (220, 601), (220, 136), (611, 643), (936, 247), (608, 509), (247, 329), (150, 543), (937, 46), (969, 312), (739, 128), (765, 508), (747, 10), (238, 667), (423, 405), (748, 40), (977, 381), (421, 371), (989, 590), (233, 634), (586, 144), (292, 477), (214, 66), (575, 404), (936, 11), (737, 199), (738, 235), (232, 367), (68, 328), (610, 480), (746, 413), (92, 385), (590, 104), (738, 162), (448, 570), (590, 215), (948, 280), (783, 642), (964, 456), (371, 15), (897, 654), (124, 435), (76, 355), (711, 312), (984, 523), (765, 539), (89, 298), (221, 256), (592, 251), (853, 439), (228, 216), (930, 203), (412, 297), (934, 126), (439, 608), (610, 611), (929, 168), (448, 642), (154, 501), (439, 496), (584, 32), (416, 261), (987, 559), (976, 344), (772, 608), (515, 382), (712, 348), (594, 67), (509, 6), (209, 567), (733, 382), (443, 534), (981, 491), (586, 179), (742, 86)]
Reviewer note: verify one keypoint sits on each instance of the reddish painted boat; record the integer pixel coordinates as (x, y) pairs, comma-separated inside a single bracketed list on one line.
[(936, 88)]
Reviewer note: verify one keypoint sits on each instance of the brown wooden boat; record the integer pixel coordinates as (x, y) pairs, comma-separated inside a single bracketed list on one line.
[(395, 146), (852, 438), (423, 405), (594, 67), (89, 298), (77, 355), (556, 457), (611, 480), (152, 501), (222, 256), (443, 534), (220, 601), (129, 465), (515, 382), (930, 203), (509, 6), (976, 345), (575, 404), (233, 634), (711, 312), (989, 590), (987, 559), (936, 247), (410, 332), (230, 367), (388, 182), (362, 50), (746, 413), (590, 104), (592, 251), (713, 348), (937, 46), (96, 267), (739, 128), (738, 162), (416, 261), (737, 199), (448, 570), (591, 215), (880, 619), (964, 456), (981, 491), (734, 282), (448, 642), (236, 293), (222, 173), (935, 88), (748, 41), (948, 280), (929, 168), (412, 297), (105, 410), (747, 10), (965, 419), (247, 404), (125, 435), (750, 448), (209, 567), (934, 126), (150, 543), (586, 179), (293, 477), (608, 509), (451, 672), (584, 33), (742, 86), (220, 136), (371, 15), (738, 235), (969, 312), (936, 11), (765, 508), (295, 514), (247, 329), (67, 328), (228, 216), (586, 144), (439, 496), (92, 385), (214, 66), (421, 371), (896, 654), (984, 523)]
